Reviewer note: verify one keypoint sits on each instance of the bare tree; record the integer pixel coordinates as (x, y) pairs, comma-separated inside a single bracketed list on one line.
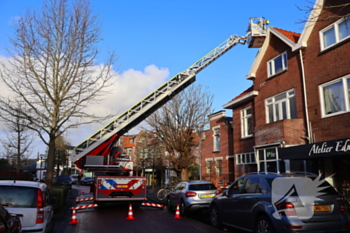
[(53, 72), (17, 143), (333, 10), (61, 153), (176, 122)]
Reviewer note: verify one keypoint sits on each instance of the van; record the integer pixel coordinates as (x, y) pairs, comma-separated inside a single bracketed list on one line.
[(30, 201)]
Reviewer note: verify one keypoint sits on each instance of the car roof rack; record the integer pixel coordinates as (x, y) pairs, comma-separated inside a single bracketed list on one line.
[(263, 173), (299, 173)]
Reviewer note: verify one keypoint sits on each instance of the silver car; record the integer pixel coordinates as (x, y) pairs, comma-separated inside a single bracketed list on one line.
[(191, 195), (30, 201)]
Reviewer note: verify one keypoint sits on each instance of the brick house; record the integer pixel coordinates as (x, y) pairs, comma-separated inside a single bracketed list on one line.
[(325, 54), (217, 150), (295, 115)]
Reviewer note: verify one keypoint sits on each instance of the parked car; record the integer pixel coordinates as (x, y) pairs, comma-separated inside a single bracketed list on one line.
[(74, 178), (191, 195), (9, 223), (66, 180), (86, 180), (30, 201), (273, 202)]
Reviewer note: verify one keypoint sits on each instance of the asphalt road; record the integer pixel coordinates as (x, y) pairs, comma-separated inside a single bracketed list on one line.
[(113, 218)]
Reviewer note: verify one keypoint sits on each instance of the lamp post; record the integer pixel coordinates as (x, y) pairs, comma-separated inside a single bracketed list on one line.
[(41, 167)]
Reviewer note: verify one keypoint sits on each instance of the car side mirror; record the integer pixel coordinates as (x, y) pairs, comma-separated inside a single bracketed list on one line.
[(225, 192)]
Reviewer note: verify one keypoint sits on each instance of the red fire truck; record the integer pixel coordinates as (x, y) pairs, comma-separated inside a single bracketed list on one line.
[(113, 176)]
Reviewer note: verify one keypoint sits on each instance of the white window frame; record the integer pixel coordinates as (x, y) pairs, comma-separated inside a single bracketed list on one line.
[(245, 158), (277, 106), (244, 122), (335, 27), (217, 167), (345, 97), (266, 160), (271, 68), (208, 168), (216, 138)]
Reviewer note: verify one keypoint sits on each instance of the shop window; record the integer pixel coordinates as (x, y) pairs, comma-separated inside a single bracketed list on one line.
[(247, 122), (334, 96), (269, 160), (281, 106), (277, 64), (335, 33)]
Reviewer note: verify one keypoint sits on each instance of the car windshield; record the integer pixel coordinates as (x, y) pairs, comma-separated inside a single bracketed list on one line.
[(12, 196), (198, 187)]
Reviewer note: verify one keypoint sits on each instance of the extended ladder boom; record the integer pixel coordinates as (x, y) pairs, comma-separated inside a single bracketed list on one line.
[(106, 136)]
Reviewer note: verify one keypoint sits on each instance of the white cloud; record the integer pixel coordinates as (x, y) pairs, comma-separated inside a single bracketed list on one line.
[(131, 87)]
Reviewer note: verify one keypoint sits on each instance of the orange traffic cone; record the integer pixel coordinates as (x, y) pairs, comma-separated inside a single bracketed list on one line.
[(130, 214), (74, 218), (177, 213)]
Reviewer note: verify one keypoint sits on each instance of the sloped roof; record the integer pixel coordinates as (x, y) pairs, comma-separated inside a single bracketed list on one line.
[(241, 98), (294, 40), (292, 36)]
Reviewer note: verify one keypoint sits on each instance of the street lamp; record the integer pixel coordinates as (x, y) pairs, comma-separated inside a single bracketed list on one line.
[(41, 167)]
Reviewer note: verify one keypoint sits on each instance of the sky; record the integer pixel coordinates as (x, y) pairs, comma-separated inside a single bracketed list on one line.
[(156, 39)]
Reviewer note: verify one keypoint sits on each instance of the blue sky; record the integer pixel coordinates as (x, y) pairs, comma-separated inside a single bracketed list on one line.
[(155, 40)]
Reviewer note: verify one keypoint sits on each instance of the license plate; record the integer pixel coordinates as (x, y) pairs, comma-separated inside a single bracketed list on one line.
[(122, 186), (207, 196), (320, 208)]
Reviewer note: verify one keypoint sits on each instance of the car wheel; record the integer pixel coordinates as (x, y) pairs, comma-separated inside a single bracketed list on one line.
[(168, 205), (263, 225), (182, 208), (215, 217)]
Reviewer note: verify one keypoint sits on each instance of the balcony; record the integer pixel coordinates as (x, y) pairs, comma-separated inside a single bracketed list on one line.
[(288, 130)]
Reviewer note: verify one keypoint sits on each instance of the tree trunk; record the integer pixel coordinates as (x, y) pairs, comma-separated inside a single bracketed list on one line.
[(50, 163), (184, 174)]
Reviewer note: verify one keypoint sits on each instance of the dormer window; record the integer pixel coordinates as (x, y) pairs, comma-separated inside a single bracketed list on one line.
[(277, 64), (335, 33)]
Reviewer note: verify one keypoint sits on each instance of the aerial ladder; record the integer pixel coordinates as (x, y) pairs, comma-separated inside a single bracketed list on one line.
[(98, 152)]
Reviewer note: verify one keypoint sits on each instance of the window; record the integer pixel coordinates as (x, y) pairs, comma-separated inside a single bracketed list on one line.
[(246, 158), (281, 106), (269, 160), (247, 122), (218, 163), (131, 141), (335, 96), (209, 166), (277, 64), (236, 187), (335, 33), (216, 137), (128, 152), (252, 185)]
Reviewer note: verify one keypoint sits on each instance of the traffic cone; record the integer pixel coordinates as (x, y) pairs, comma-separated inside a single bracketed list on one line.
[(177, 213), (74, 218), (82, 190), (130, 214)]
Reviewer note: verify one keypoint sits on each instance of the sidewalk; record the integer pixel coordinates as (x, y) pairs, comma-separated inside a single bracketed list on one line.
[(152, 195), (63, 216)]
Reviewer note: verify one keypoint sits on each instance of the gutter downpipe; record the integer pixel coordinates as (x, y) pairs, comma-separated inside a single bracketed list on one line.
[(310, 139)]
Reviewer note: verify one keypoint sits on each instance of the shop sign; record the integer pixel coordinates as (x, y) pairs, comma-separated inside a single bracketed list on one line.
[(321, 149)]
